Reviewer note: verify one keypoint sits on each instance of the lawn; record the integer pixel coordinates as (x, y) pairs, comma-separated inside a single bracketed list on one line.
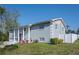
[(43, 49)]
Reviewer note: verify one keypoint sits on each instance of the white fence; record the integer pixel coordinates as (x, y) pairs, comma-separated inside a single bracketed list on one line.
[(69, 38), (78, 36)]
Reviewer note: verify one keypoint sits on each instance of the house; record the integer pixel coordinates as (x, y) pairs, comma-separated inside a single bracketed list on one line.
[(41, 31)]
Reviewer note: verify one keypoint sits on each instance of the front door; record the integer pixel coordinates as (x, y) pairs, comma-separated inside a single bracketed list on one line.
[(20, 36)]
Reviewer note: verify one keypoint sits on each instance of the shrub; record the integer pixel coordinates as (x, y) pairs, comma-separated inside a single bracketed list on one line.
[(78, 39), (56, 41), (60, 41), (35, 41), (3, 36), (11, 47), (15, 46)]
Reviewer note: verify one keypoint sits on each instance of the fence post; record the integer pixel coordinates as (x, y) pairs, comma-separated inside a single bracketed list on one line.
[(64, 38), (71, 38)]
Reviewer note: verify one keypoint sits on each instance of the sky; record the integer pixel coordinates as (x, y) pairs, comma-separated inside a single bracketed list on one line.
[(33, 13)]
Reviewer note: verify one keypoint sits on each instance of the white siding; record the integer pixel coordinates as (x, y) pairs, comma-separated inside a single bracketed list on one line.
[(36, 34), (55, 31), (26, 35), (11, 36)]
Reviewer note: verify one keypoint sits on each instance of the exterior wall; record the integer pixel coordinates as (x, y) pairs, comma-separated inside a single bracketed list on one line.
[(38, 33), (49, 31), (57, 28), (26, 35), (11, 35), (16, 35)]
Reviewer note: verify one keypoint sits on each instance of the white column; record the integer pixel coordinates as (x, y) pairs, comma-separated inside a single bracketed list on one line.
[(29, 33), (23, 34), (14, 35), (18, 35)]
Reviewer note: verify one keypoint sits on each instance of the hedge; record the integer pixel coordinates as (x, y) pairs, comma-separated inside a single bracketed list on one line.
[(56, 41)]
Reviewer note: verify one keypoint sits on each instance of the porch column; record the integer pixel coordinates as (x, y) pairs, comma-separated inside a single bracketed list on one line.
[(29, 33), (14, 35), (18, 35), (23, 34)]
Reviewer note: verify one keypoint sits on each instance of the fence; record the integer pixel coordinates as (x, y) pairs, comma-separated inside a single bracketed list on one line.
[(69, 38), (78, 36)]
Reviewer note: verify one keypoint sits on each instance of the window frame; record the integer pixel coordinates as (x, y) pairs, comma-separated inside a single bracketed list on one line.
[(56, 26), (42, 39), (41, 27)]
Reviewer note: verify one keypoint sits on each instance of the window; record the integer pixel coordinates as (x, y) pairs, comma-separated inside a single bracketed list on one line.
[(24, 29), (42, 39), (34, 28), (62, 28), (55, 26), (41, 27)]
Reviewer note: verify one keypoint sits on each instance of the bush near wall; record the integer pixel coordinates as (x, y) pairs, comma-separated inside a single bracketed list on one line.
[(78, 39), (3, 36), (60, 41), (56, 41), (11, 47), (35, 41)]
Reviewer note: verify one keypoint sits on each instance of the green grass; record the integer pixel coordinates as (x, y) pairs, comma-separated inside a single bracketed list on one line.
[(43, 49)]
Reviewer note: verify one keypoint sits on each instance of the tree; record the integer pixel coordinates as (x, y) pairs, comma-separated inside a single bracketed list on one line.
[(11, 21), (68, 29), (2, 11), (77, 31), (73, 31), (8, 20)]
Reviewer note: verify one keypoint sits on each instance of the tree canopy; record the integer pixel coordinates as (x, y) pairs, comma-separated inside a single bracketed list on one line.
[(8, 19), (2, 10)]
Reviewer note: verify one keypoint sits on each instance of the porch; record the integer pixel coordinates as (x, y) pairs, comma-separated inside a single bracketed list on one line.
[(20, 35)]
